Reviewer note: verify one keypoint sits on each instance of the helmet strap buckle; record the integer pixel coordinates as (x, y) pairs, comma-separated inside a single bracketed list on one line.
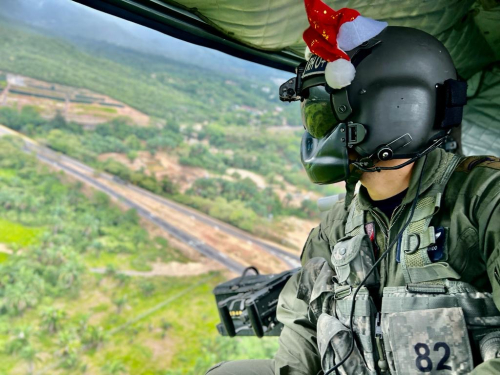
[(387, 151), (355, 134)]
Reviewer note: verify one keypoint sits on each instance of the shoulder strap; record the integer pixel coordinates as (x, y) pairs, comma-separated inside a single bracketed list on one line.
[(418, 236), (355, 219)]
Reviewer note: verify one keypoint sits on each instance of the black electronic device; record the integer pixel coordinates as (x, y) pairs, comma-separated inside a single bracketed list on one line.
[(247, 304)]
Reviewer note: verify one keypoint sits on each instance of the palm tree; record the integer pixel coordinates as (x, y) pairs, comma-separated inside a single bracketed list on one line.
[(22, 294), (21, 338), (90, 224), (51, 319), (83, 322), (93, 337), (96, 245), (110, 270), (20, 345), (30, 355), (122, 278), (120, 302), (69, 349), (70, 272), (147, 287), (114, 368), (165, 326)]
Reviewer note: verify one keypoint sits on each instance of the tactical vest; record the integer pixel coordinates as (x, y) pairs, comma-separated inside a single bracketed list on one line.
[(434, 324)]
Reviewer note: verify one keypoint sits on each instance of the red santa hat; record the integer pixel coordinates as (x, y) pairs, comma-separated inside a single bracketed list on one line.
[(331, 33)]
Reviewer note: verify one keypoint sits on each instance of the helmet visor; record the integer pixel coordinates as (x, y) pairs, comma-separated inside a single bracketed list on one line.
[(317, 113)]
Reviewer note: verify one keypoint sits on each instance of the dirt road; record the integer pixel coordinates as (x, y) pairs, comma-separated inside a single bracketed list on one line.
[(233, 248)]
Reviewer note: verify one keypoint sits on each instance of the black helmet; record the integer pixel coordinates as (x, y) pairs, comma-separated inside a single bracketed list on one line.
[(402, 103)]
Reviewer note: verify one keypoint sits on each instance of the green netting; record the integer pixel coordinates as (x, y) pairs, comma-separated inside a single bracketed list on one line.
[(417, 226), (414, 260)]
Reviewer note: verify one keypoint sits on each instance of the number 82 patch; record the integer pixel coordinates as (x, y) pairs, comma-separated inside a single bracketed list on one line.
[(428, 342)]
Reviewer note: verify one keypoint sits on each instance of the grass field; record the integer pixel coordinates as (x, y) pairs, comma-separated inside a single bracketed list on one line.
[(7, 173), (87, 109), (16, 234)]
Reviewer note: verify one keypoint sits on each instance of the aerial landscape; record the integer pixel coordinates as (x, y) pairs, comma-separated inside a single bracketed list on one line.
[(133, 180)]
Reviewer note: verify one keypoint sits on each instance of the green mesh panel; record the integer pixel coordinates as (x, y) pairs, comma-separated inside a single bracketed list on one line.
[(417, 226), (414, 260), (424, 202), (434, 282), (356, 231)]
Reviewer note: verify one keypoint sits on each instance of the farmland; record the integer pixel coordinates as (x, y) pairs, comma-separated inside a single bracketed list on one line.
[(143, 325)]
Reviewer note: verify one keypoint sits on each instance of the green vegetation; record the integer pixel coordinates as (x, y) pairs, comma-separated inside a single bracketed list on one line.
[(67, 303), (156, 85), (239, 202), (59, 316), (89, 109), (15, 234), (183, 99)]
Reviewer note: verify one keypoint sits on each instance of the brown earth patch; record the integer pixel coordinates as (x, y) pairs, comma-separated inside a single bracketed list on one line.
[(256, 178), (162, 165), (5, 249), (88, 115), (297, 230)]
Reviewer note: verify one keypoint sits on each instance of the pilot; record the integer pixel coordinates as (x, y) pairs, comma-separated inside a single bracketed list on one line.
[(402, 277)]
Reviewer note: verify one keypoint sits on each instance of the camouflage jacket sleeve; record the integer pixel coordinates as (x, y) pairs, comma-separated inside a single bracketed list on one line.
[(486, 207), (298, 352)]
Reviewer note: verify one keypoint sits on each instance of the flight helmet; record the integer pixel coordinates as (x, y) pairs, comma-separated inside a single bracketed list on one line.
[(402, 103)]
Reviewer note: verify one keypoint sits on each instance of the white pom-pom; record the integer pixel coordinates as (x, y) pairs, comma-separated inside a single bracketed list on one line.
[(339, 73), (307, 53)]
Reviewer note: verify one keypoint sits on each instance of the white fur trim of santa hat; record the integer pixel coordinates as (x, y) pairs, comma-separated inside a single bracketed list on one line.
[(354, 33), (307, 53)]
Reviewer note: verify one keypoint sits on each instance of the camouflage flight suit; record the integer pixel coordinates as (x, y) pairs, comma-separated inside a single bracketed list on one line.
[(470, 210)]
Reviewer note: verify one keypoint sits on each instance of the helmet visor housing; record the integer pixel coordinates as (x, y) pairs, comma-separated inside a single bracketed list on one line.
[(317, 115)]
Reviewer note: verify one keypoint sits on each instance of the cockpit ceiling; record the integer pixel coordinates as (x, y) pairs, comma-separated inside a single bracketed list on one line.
[(469, 29)]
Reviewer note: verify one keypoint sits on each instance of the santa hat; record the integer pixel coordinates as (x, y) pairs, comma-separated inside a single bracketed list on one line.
[(331, 33)]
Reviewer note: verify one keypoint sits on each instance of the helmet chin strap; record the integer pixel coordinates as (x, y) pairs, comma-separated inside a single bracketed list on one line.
[(368, 164)]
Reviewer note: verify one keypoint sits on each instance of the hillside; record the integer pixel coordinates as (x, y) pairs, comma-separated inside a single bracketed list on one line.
[(239, 163), (153, 84), (59, 315), (88, 287), (79, 24)]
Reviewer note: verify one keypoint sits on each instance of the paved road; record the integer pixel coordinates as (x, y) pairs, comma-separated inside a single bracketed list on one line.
[(192, 241), (61, 162), (290, 259)]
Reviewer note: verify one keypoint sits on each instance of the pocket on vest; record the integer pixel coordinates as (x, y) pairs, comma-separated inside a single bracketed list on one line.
[(352, 258), (334, 340), (430, 341)]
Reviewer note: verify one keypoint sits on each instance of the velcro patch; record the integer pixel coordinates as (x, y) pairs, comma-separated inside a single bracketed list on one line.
[(436, 251), (478, 161), (315, 66), (370, 231)]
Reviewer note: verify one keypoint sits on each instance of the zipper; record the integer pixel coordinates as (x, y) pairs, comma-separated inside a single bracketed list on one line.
[(386, 229), (381, 224)]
